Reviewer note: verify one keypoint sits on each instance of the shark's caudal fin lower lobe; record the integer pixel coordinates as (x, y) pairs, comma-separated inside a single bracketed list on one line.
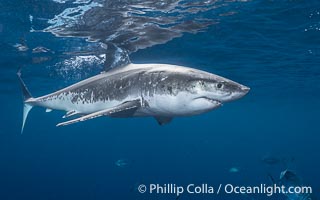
[(26, 96)]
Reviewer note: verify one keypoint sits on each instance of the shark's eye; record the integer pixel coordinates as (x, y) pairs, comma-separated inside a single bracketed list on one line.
[(219, 85)]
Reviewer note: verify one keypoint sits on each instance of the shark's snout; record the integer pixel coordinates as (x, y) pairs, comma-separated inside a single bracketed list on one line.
[(242, 91), (245, 89)]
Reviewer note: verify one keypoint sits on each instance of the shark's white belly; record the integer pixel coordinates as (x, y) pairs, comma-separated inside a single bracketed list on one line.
[(181, 105)]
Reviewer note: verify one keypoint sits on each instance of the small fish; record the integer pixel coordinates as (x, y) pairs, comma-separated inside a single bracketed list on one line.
[(274, 160), (234, 170), (40, 49), (21, 47), (122, 163), (271, 160)]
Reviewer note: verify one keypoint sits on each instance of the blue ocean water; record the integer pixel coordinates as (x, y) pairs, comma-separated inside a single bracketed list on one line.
[(270, 46)]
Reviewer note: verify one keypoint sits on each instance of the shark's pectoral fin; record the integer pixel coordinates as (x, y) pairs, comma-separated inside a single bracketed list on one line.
[(163, 120), (127, 106)]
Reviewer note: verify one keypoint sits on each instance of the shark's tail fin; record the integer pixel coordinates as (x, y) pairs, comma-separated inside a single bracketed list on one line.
[(27, 106)]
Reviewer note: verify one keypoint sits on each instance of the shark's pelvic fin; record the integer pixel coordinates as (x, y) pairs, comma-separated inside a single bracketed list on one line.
[(27, 98), (163, 120), (70, 113), (126, 107)]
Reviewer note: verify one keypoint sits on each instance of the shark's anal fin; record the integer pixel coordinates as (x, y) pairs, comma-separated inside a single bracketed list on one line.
[(163, 120), (127, 106)]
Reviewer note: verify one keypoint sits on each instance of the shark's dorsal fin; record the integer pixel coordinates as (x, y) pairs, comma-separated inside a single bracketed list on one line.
[(115, 57), (126, 106)]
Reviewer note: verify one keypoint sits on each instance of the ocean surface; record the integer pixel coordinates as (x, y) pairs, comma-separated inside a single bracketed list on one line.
[(271, 46)]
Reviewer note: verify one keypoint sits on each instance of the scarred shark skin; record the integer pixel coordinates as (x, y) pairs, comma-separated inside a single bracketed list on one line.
[(164, 91)]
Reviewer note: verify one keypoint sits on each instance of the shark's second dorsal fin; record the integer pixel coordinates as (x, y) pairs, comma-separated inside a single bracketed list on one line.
[(129, 106)]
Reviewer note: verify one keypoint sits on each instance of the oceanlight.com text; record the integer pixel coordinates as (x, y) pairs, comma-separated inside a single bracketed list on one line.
[(205, 188)]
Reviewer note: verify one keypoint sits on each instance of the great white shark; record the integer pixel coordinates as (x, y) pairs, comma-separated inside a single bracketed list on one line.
[(161, 91)]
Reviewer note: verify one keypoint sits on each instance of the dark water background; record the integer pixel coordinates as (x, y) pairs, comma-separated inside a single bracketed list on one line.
[(270, 46)]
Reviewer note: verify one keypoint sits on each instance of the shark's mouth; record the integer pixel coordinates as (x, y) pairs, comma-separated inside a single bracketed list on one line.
[(211, 100)]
